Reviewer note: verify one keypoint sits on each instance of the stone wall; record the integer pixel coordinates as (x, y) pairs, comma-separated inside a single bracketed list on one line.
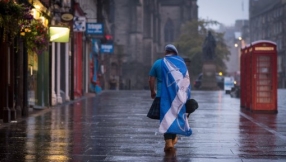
[(139, 28)]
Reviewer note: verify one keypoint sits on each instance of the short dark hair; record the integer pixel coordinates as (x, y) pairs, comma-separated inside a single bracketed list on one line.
[(170, 51)]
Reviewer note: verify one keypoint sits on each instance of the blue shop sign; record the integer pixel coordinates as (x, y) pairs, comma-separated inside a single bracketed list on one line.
[(94, 28), (106, 48)]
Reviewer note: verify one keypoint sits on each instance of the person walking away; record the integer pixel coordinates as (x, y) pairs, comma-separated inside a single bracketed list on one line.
[(173, 89)]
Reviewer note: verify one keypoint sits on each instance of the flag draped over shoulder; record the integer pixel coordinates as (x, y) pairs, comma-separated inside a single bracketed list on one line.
[(175, 91)]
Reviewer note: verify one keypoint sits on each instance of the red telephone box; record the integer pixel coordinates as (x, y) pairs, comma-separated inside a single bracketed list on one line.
[(263, 76), (247, 79), (243, 69)]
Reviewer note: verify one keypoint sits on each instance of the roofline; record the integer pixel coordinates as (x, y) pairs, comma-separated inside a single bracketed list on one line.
[(263, 41)]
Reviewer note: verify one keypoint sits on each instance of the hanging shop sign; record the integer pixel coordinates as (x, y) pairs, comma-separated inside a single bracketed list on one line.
[(59, 34), (94, 28), (67, 17), (79, 24), (106, 48)]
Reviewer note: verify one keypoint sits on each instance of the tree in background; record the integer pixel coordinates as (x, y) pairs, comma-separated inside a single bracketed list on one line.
[(191, 41)]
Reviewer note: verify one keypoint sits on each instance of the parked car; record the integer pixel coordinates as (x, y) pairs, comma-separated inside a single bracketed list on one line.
[(235, 91), (219, 81), (229, 83)]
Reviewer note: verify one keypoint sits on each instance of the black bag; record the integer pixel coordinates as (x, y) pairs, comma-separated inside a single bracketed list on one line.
[(191, 106), (154, 111)]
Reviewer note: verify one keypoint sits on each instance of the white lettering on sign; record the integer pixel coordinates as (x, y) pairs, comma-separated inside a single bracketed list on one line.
[(107, 47), (95, 26)]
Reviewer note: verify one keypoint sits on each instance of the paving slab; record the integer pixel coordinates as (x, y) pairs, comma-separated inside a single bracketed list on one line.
[(113, 126)]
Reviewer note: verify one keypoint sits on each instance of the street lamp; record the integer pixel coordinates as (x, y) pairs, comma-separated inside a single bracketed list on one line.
[(239, 45)]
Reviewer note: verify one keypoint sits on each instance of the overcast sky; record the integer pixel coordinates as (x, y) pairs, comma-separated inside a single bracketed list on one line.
[(223, 11)]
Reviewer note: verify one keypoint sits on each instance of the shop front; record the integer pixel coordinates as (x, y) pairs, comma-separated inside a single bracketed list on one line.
[(37, 45)]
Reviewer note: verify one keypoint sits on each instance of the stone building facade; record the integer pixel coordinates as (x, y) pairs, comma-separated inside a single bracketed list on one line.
[(141, 29), (236, 37), (267, 22)]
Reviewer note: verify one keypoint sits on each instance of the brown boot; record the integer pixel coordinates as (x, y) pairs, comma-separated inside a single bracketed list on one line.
[(174, 141), (168, 145)]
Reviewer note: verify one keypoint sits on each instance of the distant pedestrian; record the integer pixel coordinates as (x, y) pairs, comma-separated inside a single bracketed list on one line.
[(173, 90)]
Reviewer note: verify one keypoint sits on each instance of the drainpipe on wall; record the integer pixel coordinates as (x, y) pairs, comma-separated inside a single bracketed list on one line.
[(6, 110), (67, 97)]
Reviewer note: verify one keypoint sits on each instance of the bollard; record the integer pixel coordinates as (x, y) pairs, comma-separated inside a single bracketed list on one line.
[(13, 114), (6, 115), (18, 111)]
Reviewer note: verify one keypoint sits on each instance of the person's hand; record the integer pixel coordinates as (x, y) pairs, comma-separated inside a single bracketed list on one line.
[(153, 94)]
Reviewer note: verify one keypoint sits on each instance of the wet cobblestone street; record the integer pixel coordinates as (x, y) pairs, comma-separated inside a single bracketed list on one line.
[(113, 127)]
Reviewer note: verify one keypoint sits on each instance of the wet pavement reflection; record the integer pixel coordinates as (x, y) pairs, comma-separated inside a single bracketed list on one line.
[(113, 127)]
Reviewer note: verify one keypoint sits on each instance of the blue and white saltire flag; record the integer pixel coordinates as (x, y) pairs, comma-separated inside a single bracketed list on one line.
[(174, 93)]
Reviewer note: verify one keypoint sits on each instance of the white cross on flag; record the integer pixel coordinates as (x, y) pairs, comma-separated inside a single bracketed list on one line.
[(79, 24)]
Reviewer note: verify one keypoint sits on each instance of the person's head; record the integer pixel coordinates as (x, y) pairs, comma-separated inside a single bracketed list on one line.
[(170, 49)]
